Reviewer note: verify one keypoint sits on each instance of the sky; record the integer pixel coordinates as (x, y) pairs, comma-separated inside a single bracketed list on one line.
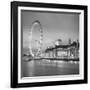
[(54, 25)]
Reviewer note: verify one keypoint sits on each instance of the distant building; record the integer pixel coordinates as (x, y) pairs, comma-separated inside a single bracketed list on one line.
[(63, 51), (58, 42), (69, 41)]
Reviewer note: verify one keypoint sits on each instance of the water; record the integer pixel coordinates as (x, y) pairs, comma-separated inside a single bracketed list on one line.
[(48, 68)]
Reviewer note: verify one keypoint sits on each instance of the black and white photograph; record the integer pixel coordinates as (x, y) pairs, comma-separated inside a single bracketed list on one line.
[(50, 44)]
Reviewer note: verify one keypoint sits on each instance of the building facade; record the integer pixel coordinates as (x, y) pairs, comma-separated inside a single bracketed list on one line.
[(63, 51)]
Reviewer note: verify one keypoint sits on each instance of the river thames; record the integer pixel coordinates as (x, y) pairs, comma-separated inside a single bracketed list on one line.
[(48, 68)]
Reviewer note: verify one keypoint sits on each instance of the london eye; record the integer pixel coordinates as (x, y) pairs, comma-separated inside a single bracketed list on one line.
[(39, 42)]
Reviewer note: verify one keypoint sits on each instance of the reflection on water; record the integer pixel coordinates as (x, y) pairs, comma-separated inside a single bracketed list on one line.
[(48, 67)]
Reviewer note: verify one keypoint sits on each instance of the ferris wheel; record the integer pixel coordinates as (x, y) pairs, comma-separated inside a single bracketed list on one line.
[(39, 42)]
